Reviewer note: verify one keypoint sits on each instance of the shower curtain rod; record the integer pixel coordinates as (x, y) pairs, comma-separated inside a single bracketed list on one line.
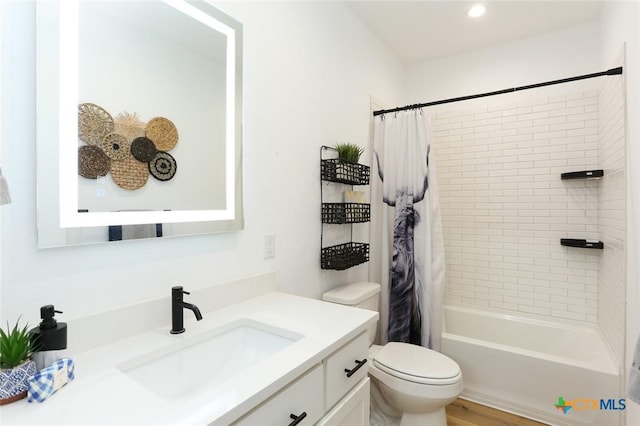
[(612, 71)]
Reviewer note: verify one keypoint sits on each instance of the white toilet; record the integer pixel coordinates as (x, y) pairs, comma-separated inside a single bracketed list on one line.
[(407, 381)]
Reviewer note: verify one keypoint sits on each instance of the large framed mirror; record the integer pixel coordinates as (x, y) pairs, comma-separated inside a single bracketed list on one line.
[(139, 120)]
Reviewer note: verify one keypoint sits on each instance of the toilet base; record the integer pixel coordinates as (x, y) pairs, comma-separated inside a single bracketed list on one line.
[(434, 418), (415, 404), (437, 417)]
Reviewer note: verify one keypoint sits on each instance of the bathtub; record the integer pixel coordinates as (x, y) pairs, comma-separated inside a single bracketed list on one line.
[(523, 364)]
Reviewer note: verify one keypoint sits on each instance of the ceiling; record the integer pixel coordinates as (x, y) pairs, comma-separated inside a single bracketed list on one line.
[(423, 30)]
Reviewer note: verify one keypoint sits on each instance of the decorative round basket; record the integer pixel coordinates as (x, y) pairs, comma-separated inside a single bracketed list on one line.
[(129, 125), (93, 123), (129, 173), (92, 162), (162, 132), (163, 166), (116, 146), (143, 149), (13, 382)]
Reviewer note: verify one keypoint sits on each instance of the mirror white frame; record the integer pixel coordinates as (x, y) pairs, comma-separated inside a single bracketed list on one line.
[(58, 65)]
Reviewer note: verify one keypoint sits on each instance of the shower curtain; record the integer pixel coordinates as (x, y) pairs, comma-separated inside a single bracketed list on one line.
[(412, 254)]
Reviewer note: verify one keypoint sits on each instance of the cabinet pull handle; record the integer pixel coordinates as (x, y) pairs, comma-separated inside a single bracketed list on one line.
[(356, 368), (297, 419)]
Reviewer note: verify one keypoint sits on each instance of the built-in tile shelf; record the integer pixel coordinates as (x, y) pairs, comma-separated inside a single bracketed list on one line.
[(585, 174), (572, 242), (579, 243)]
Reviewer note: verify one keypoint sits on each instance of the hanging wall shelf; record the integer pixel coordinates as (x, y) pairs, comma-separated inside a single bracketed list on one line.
[(586, 174), (570, 242), (336, 170), (343, 256), (342, 213)]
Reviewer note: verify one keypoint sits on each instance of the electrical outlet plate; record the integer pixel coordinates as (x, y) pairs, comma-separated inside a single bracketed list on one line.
[(269, 246)]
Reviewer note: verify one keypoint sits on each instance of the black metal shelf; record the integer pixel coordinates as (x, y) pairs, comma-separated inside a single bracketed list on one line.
[(344, 213), (344, 256), (340, 171), (572, 242), (585, 174)]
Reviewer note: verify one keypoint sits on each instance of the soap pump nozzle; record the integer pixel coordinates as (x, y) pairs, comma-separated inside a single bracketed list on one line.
[(47, 313)]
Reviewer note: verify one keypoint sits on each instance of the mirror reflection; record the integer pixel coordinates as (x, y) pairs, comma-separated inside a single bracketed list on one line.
[(155, 106), (151, 107)]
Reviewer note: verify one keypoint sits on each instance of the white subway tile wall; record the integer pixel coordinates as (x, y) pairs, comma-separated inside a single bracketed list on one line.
[(611, 210), (505, 208)]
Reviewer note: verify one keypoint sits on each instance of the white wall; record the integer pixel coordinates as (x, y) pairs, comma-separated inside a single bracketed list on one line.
[(505, 208), (522, 125), (565, 53), (310, 69), (612, 212), (619, 24)]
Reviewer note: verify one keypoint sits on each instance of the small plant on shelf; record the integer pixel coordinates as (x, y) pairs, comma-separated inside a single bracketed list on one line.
[(17, 345), (349, 152)]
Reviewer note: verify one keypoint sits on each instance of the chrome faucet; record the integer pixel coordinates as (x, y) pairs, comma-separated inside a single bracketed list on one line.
[(177, 310)]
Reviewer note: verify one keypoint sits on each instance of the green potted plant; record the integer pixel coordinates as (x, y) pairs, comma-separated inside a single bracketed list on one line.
[(16, 366), (349, 152)]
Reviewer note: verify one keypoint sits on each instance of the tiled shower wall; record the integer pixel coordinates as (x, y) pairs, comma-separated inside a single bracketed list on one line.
[(505, 208), (611, 210)]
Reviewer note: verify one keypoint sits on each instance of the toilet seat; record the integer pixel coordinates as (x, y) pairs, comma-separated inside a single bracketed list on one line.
[(416, 364)]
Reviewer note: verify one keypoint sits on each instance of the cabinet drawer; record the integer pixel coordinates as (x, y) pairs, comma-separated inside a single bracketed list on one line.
[(353, 410), (302, 396), (337, 380)]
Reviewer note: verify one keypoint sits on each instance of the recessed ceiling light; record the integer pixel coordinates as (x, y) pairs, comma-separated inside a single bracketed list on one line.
[(476, 11)]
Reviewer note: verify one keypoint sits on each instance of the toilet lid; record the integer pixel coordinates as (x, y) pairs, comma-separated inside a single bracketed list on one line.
[(416, 364)]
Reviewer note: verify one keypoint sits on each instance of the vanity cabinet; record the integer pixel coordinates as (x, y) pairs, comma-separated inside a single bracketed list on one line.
[(288, 355), (300, 401), (347, 384), (352, 357), (352, 410), (323, 395)]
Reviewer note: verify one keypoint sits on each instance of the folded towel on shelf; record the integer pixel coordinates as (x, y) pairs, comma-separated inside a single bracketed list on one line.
[(633, 387), (47, 381)]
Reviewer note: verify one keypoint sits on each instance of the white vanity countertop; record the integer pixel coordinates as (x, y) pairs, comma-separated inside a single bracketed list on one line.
[(102, 394)]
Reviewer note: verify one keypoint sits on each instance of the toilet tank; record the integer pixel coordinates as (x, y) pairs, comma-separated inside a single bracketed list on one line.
[(363, 295)]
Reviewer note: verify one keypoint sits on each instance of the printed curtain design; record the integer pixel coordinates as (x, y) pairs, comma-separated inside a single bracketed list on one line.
[(412, 253)]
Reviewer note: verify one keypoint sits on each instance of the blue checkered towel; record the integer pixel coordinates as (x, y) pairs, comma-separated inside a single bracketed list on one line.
[(45, 382)]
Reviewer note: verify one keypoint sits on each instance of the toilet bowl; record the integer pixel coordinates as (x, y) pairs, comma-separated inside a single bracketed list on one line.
[(407, 381)]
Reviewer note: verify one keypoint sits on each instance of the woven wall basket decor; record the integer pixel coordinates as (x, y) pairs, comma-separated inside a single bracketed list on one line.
[(129, 125), (163, 166), (94, 123), (143, 149), (92, 162), (129, 173), (162, 132), (116, 146)]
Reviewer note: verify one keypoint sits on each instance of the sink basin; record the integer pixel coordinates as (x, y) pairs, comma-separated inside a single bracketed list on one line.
[(209, 359)]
